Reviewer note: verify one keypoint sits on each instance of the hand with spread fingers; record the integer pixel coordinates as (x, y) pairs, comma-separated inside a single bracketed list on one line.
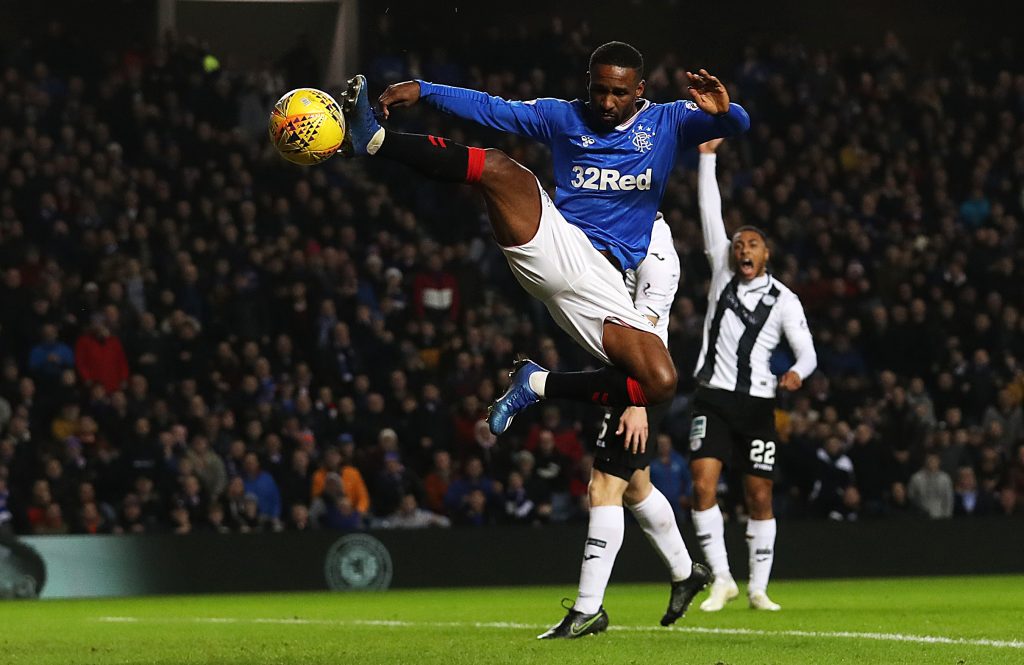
[(405, 93), (708, 92), (633, 424)]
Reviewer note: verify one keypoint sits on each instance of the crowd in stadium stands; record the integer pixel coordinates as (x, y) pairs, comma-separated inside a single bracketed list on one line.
[(197, 336)]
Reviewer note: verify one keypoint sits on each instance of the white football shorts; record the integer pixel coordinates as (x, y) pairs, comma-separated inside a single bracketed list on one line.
[(654, 283), (578, 285)]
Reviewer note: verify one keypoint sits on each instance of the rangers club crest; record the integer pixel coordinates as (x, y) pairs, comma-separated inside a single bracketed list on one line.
[(643, 137)]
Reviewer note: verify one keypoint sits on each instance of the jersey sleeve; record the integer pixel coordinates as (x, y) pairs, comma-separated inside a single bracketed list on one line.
[(535, 119), (695, 126), (798, 334), (716, 243)]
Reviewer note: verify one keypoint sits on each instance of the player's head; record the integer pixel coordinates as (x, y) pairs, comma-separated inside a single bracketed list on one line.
[(615, 81), (750, 252)]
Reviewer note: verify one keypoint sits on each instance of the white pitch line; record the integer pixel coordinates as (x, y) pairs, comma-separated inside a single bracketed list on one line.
[(392, 623)]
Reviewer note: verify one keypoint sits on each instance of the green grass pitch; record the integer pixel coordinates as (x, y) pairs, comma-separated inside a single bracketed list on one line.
[(958, 621)]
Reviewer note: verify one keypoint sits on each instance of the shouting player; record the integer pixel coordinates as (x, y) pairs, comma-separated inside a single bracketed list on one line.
[(749, 311)]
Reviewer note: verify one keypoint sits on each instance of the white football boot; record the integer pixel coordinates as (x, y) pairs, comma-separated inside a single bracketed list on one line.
[(759, 600), (720, 593)]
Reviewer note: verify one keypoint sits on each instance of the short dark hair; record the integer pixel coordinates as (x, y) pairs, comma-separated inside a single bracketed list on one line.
[(618, 54), (748, 227)]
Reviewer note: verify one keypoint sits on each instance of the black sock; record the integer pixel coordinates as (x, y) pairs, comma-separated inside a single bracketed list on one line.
[(433, 156), (607, 386)]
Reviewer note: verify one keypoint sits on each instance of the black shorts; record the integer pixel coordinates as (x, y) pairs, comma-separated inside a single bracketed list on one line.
[(610, 453), (735, 428)]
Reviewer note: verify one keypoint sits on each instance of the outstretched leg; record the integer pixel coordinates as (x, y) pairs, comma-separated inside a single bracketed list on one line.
[(643, 372), (509, 189)]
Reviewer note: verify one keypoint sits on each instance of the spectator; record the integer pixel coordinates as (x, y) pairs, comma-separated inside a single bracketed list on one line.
[(131, 519), (410, 516), (931, 490), (519, 507), (435, 485), (869, 461), (968, 501), (472, 479), (50, 357), (1009, 416), (332, 509), (1012, 496), (261, 485), (215, 519), (834, 494), (100, 358), (475, 511), (353, 485), (207, 465), (436, 292), (296, 482), (392, 483)]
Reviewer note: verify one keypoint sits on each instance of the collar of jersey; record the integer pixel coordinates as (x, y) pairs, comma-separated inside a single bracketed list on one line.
[(629, 123), (755, 284)]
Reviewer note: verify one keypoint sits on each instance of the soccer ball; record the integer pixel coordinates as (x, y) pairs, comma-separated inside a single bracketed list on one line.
[(306, 126)]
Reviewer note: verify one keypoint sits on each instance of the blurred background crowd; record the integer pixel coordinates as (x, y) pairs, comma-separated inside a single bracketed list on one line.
[(198, 336)]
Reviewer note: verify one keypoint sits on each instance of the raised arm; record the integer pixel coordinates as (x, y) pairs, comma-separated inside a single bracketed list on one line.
[(716, 243), (720, 117), (523, 118), (794, 326)]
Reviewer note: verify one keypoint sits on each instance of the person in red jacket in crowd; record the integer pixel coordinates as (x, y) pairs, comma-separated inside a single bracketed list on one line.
[(100, 357), (436, 292)]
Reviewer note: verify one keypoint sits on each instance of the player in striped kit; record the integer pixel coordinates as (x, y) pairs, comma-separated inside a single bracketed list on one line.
[(749, 312)]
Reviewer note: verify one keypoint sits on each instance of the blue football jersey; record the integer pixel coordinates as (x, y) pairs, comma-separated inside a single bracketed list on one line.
[(609, 183)]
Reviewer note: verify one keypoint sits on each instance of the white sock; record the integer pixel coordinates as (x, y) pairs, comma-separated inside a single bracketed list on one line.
[(761, 543), (373, 145), (538, 382), (604, 538), (710, 528), (658, 521)]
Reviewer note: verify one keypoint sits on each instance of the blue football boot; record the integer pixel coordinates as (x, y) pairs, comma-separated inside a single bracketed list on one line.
[(518, 396), (363, 134)]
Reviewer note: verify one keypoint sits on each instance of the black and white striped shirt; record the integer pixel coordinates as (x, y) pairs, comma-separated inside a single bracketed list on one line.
[(745, 322)]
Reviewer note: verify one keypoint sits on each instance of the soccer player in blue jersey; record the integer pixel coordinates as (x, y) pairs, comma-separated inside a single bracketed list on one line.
[(613, 155)]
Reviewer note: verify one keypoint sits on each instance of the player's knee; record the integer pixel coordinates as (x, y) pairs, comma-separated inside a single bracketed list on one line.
[(497, 165), (660, 385), (705, 492), (605, 489), (760, 503), (634, 495)]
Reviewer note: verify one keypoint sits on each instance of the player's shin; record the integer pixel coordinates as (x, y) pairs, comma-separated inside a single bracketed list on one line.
[(433, 156), (658, 520), (607, 386), (604, 538), (761, 543), (710, 527)]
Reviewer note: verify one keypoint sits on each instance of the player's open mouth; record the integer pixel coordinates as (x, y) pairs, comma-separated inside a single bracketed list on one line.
[(747, 263)]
